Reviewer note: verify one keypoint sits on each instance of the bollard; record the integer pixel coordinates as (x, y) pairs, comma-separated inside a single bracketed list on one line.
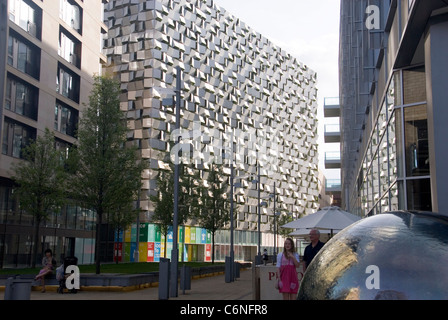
[(185, 278), (236, 269), (18, 289), (228, 270), (164, 279), (258, 260)]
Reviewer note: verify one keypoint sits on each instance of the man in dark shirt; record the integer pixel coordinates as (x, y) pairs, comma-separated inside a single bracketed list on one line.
[(313, 248)]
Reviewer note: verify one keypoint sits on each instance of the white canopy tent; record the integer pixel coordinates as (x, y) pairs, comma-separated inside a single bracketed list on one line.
[(333, 219)]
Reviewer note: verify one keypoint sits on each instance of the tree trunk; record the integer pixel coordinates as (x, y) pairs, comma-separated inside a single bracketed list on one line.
[(97, 244), (36, 242), (116, 244), (213, 247), (164, 244)]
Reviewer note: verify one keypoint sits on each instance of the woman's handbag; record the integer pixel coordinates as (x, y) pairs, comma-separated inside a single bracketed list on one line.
[(278, 284)]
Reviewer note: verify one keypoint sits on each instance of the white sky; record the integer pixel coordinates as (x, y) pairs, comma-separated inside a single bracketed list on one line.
[(308, 30)]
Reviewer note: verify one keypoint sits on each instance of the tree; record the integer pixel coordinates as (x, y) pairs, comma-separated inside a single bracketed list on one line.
[(282, 220), (164, 200), (106, 168), (164, 203), (121, 218), (40, 182), (214, 207)]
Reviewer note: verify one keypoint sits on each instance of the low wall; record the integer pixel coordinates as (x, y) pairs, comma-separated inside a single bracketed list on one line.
[(123, 281)]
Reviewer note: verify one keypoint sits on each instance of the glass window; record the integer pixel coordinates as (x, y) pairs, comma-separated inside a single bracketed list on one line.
[(16, 136), (69, 48), (10, 51), (384, 166), (392, 147), (67, 84), (23, 56), (27, 16), (19, 136), (71, 14), (7, 203), (414, 85), (21, 98), (400, 142), (11, 244), (393, 194), (65, 119), (395, 91), (63, 147), (416, 140), (71, 216), (12, 10), (419, 194)]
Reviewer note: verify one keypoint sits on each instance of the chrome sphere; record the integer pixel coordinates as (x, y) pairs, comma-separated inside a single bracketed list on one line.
[(393, 256)]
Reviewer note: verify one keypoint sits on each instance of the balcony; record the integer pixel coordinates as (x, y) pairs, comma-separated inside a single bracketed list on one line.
[(332, 133), (332, 108), (332, 186), (332, 160)]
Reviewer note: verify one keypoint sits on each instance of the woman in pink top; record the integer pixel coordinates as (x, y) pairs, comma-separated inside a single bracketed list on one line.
[(287, 262)]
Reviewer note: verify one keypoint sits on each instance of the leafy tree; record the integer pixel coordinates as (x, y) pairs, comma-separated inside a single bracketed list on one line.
[(164, 203), (40, 182), (164, 200), (214, 205), (282, 220), (121, 219), (106, 169)]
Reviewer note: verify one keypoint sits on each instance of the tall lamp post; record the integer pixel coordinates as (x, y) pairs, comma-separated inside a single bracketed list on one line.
[(275, 227), (259, 211), (173, 288), (232, 252), (175, 250)]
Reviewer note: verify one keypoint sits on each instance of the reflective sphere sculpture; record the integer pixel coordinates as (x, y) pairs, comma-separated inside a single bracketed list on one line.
[(392, 256)]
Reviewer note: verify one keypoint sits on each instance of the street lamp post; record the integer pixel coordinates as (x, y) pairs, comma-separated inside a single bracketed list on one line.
[(175, 251), (232, 253), (275, 227), (259, 211)]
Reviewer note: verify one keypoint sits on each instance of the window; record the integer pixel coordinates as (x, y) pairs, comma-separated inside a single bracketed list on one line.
[(69, 48), (23, 55), (21, 97), (27, 16), (65, 119), (16, 137), (62, 146), (416, 141), (71, 14), (67, 83)]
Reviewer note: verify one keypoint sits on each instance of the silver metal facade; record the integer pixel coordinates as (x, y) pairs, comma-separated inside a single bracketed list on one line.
[(235, 82)]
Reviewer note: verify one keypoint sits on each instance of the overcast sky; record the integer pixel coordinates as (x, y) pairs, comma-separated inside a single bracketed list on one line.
[(308, 30)]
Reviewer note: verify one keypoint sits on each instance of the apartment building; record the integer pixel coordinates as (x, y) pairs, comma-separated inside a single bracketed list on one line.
[(393, 77), (50, 50)]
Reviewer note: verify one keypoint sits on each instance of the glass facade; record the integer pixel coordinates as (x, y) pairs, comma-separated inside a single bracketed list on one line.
[(21, 97), (31, 102), (65, 119), (16, 137), (27, 16), (23, 55), (395, 169), (57, 232)]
